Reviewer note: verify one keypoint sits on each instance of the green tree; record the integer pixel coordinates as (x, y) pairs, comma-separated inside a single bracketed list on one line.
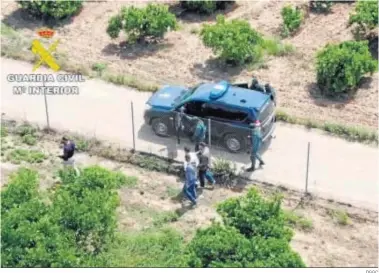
[(340, 67), (150, 22), (68, 230), (204, 6), (292, 19), (234, 41), (252, 216), (365, 19), (253, 234), (57, 9)]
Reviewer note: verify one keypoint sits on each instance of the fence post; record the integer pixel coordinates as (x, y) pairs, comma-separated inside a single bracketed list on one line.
[(46, 109), (307, 170), (209, 137), (134, 140)]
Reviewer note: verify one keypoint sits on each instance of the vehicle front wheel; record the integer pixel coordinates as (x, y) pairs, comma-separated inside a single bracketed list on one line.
[(234, 143), (160, 127)]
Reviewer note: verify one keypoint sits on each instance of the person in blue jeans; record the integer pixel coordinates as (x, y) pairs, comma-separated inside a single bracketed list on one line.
[(190, 183), (256, 143), (204, 168)]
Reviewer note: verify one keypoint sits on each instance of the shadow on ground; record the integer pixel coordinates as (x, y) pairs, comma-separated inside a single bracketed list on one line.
[(193, 17), (339, 101), (127, 51), (215, 70), (20, 19)]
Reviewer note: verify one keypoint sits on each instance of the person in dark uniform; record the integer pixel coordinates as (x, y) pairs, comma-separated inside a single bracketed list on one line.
[(271, 91), (256, 143), (178, 123), (68, 149), (200, 132), (256, 86)]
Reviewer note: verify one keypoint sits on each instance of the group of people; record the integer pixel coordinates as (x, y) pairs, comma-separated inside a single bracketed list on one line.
[(197, 164), (197, 167), (267, 88)]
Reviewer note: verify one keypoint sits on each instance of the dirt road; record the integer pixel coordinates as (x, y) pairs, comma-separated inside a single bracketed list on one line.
[(338, 169)]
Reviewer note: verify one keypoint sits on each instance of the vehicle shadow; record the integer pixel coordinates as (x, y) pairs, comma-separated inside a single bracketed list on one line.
[(174, 151)]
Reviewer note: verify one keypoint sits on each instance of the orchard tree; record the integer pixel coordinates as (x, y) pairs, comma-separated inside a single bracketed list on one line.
[(204, 6), (253, 234), (292, 19), (365, 19), (150, 22), (340, 67), (234, 41), (57, 9)]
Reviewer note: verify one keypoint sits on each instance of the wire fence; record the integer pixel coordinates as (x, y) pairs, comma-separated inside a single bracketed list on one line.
[(296, 159)]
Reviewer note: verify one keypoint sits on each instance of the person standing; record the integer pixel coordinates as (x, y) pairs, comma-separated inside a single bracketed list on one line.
[(271, 91), (194, 160), (256, 143), (68, 149), (190, 182), (204, 168), (178, 123), (199, 134)]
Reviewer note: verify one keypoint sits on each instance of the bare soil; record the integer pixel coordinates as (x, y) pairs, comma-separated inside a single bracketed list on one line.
[(329, 244), (181, 57)]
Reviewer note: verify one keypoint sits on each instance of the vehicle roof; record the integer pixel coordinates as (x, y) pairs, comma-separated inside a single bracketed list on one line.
[(234, 96)]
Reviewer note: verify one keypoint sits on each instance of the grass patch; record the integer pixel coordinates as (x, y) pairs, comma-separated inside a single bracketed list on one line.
[(99, 68), (152, 248), (129, 182), (340, 217), (27, 133), (165, 217), (172, 191), (276, 47), (296, 221), (30, 156), (131, 82), (4, 131), (84, 144), (352, 133), (14, 44)]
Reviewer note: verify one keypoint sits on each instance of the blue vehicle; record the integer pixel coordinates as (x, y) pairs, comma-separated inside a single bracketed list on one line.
[(231, 109)]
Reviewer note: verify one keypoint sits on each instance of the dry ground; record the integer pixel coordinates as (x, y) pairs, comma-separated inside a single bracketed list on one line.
[(333, 242), (181, 57)]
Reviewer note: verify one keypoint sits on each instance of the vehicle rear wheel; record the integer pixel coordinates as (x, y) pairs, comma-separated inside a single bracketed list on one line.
[(234, 143), (160, 127)]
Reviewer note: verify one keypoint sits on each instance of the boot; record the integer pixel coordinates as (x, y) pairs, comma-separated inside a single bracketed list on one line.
[(251, 169), (261, 164)]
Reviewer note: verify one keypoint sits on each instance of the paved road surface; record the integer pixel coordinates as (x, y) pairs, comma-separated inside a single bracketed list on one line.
[(338, 169)]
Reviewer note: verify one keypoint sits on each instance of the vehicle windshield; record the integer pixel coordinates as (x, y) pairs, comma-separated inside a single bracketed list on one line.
[(185, 94)]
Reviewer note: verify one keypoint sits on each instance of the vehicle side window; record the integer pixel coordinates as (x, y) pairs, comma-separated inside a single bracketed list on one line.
[(194, 108), (219, 112)]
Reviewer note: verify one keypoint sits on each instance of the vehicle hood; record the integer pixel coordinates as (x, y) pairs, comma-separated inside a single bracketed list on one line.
[(166, 97)]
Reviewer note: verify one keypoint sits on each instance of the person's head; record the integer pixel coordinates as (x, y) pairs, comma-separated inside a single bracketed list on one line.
[(187, 158), (187, 150), (267, 86), (181, 109), (64, 140), (255, 81)]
